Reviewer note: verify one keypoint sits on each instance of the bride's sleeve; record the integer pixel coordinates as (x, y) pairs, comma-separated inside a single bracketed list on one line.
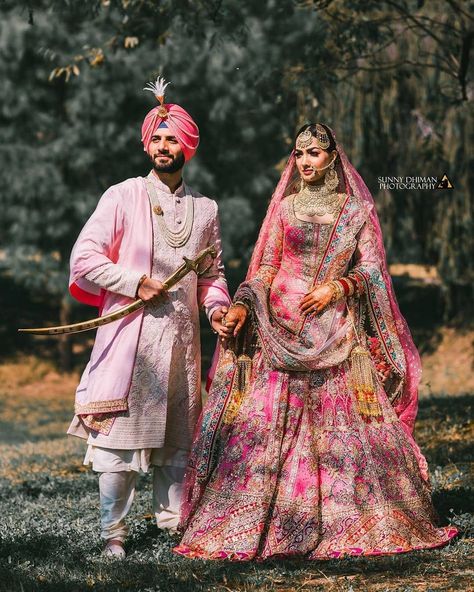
[(269, 265), (365, 261), (271, 258)]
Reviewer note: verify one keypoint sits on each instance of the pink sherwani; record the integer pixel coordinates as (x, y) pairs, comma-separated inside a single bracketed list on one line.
[(144, 372)]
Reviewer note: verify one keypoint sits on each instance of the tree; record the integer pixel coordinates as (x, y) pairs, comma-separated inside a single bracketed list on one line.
[(393, 78)]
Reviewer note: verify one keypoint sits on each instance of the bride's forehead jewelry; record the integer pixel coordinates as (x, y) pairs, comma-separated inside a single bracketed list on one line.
[(322, 138), (304, 140), (306, 137)]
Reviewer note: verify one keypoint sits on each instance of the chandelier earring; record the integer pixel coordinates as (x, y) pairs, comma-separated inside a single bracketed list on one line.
[(331, 179)]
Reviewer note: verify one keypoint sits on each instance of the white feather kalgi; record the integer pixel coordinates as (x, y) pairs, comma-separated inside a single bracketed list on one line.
[(158, 88)]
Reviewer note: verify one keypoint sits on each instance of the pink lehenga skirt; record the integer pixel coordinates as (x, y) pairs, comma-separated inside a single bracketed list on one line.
[(297, 472)]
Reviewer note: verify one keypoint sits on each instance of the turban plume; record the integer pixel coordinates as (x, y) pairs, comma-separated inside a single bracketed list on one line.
[(180, 124)]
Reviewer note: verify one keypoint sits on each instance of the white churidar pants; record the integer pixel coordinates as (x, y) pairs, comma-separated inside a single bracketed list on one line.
[(118, 474)]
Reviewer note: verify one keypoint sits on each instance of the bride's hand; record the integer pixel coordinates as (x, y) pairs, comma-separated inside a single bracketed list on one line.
[(236, 318), (316, 300)]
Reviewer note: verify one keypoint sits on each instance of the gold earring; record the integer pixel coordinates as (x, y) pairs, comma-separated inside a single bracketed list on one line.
[(331, 180)]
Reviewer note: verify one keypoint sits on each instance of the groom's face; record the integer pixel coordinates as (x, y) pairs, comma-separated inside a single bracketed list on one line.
[(165, 152)]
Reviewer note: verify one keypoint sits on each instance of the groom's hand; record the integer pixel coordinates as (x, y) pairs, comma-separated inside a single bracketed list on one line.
[(152, 291)]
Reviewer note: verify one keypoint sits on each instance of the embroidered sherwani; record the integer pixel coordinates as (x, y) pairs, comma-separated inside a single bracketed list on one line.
[(164, 398)]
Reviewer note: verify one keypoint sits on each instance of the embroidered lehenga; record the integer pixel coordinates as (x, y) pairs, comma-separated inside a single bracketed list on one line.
[(284, 463)]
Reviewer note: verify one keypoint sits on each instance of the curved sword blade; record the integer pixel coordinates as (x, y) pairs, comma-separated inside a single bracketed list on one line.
[(88, 325), (174, 278)]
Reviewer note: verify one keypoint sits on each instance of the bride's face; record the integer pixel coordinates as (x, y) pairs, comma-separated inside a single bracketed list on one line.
[(311, 160)]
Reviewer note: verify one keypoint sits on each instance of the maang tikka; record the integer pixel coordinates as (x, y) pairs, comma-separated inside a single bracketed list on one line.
[(305, 138)]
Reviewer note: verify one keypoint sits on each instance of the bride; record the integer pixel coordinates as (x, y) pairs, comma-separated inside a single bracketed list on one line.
[(305, 446)]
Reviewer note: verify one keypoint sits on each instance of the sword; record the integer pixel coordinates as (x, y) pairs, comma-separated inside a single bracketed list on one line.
[(183, 270)]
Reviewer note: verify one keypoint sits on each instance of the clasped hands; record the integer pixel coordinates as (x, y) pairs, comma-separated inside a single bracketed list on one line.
[(227, 322)]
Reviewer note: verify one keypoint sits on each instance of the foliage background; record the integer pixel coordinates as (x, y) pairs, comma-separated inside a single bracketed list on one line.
[(394, 78)]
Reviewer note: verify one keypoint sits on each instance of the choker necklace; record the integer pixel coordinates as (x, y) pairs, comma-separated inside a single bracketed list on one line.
[(317, 200)]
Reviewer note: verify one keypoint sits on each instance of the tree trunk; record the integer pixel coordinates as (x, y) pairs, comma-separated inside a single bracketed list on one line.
[(458, 305)]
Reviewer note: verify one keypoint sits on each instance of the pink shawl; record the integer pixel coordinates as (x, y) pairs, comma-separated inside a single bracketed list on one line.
[(106, 380), (121, 231)]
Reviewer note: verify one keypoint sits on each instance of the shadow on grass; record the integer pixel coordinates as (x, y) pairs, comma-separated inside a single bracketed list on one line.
[(196, 576), (44, 546), (456, 501)]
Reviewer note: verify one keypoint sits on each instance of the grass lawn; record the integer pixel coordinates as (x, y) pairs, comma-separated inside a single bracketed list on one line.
[(49, 519)]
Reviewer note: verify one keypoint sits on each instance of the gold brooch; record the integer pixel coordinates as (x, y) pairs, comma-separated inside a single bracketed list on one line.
[(162, 111), (158, 211)]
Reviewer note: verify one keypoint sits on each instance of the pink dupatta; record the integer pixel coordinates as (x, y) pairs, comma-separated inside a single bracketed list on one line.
[(409, 369)]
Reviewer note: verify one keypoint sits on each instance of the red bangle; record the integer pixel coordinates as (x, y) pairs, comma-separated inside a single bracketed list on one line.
[(345, 285)]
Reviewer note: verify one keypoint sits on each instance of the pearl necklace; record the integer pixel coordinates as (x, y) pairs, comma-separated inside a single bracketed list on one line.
[(173, 239), (316, 200)]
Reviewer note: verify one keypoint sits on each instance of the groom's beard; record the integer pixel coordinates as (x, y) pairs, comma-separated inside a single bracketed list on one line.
[(171, 166)]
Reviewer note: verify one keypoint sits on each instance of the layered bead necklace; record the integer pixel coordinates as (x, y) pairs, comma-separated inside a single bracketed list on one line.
[(172, 238)]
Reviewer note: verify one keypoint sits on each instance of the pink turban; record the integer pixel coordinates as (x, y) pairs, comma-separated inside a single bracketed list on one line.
[(180, 124)]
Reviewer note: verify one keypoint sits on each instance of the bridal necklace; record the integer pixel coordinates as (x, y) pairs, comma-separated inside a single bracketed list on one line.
[(321, 199), (173, 239), (317, 200)]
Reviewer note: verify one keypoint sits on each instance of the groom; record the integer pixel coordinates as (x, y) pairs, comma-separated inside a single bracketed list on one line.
[(140, 395)]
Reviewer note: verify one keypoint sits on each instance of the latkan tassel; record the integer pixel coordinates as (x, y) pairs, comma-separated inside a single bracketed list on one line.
[(239, 389), (363, 384)]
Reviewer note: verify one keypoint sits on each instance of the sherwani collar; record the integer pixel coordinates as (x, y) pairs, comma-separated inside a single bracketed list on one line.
[(181, 191)]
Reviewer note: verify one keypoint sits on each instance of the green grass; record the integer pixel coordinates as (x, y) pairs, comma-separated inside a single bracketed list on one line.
[(49, 519)]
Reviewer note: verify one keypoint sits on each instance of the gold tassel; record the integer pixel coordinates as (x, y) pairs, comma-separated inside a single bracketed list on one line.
[(363, 384), (239, 389)]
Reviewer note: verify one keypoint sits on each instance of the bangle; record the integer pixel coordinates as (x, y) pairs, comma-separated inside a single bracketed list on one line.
[(140, 282), (357, 283), (337, 290), (347, 286), (239, 302)]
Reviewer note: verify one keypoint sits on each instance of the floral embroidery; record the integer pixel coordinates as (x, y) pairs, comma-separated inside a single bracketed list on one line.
[(300, 473)]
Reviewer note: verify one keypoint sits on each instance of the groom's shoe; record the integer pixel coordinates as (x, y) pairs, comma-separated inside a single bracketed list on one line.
[(114, 549)]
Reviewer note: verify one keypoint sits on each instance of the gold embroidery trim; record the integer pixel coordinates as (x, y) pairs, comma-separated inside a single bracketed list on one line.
[(95, 407)]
